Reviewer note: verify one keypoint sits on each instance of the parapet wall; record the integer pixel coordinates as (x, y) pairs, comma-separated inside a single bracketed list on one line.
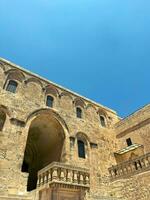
[(134, 121)]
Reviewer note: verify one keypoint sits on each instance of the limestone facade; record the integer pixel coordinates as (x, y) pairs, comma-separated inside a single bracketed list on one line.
[(56, 144)]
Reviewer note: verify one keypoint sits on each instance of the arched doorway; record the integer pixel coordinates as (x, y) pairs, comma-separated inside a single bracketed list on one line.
[(44, 145)]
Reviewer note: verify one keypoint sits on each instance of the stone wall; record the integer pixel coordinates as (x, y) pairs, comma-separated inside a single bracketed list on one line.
[(136, 187), (136, 127), (29, 102)]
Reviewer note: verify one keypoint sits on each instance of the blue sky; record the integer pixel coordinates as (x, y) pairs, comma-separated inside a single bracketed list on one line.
[(98, 48)]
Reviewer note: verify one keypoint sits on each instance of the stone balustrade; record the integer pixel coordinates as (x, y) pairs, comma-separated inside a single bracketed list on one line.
[(61, 173), (128, 168)]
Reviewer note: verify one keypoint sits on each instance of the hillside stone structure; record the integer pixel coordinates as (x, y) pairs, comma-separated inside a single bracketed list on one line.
[(58, 145)]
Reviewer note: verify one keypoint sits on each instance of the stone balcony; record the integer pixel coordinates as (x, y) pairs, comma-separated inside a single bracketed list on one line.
[(64, 175), (131, 167)]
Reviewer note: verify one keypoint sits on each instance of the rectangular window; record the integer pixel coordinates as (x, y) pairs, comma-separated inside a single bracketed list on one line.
[(79, 112), (129, 141), (93, 145), (12, 86), (81, 149), (50, 101), (102, 121)]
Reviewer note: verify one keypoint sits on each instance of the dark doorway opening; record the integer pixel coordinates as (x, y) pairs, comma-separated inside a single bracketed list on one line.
[(44, 145)]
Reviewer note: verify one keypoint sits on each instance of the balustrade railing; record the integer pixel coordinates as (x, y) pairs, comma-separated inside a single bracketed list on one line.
[(125, 169), (63, 174)]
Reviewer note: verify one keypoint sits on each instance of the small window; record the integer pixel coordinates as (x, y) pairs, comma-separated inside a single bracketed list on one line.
[(81, 149), (79, 112), (129, 141), (93, 145), (2, 120), (102, 121), (50, 101), (12, 86)]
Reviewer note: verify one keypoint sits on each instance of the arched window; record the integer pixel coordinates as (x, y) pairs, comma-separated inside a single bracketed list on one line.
[(12, 86), (79, 112), (50, 101), (2, 120), (102, 121), (81, 149)]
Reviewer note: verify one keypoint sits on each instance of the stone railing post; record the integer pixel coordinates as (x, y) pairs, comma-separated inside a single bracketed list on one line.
[(55, 174), (137, 165), (60, 173), (87, 180), (81, 179), (69, 176), (49, 175), (75, 177)]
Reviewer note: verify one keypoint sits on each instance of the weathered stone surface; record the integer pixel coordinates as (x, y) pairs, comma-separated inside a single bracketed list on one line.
[(34, 135)]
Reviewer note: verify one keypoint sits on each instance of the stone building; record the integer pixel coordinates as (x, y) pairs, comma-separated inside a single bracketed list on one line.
[(58, 145)]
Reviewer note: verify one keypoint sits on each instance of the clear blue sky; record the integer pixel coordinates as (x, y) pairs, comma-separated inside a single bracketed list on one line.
[(98, 48)]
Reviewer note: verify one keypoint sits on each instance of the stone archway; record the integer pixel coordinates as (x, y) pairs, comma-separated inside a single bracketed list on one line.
[(44, 145)]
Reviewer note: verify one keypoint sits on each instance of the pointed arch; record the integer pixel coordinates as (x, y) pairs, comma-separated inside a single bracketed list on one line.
[(34, 80), (102, 112), (48, 111), (79, 102), (66, 94), (15, 74), (83, 136), (89, 105), (83, 145), (46, 130), (102, 117), (50, 89)]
